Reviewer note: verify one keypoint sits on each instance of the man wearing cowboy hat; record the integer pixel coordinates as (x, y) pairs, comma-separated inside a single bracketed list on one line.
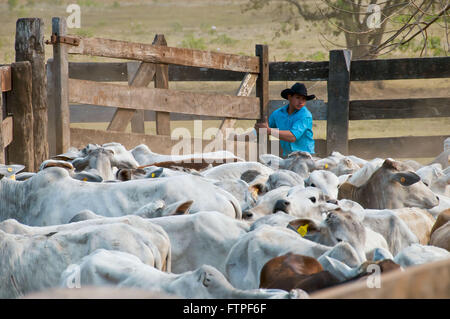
[(292, 123)]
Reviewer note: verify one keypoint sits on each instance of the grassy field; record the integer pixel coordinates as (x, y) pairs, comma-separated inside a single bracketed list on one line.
[(222, 26)]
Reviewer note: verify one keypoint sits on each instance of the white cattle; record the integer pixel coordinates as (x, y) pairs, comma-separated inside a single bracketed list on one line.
[(361, 176), (373, 240), (444, 157), (339, 164), (299, 162), (254, 249), (309, 202), (270, 160), (119, 269), (418, 254), (393, 185), (419, 221), (435, 178), (327, 181), (33, 258), (394, 230), (245, 194), (202, 238), (53, 197), (86, 175), (235, 170), (283, 177), (265, 204), (144, 156)]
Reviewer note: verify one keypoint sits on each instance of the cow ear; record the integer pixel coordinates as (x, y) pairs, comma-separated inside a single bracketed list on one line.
[(56, 163), (345, 190), (156, 173), (406, 179), (303, 226), (80, 163), (343, 179), (178, 208), (256, 190), (87, 177), (123, 174)]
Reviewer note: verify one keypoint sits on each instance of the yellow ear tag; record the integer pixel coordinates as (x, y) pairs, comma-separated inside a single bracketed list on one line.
[(10, 169), (153, 174), (402, 179), (326, 166), (302, 230), (13, 177), (85, 179)]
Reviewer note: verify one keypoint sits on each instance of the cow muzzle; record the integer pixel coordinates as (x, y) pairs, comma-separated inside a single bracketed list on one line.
[(281, 205)]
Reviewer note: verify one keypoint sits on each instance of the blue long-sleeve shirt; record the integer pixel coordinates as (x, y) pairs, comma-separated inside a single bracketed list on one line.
[(299, 123)]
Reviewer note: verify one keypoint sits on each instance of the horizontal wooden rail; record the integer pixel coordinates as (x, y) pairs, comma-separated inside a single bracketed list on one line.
[(7, 131), (5, 75), (397, 147), (397, 69), (382, 69), (167, 55), (142, 98), (399, 108), (430, 280)]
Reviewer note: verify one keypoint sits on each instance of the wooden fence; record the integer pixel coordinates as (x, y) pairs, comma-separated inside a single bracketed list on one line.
[(6, 127), (132, 100), (339, 110), (80, 83), (16, 115)]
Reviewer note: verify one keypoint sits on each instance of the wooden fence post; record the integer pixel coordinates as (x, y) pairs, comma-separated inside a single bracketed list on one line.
[(162, 119), (262, 92), (30, 47), (60, 128), (2, 147), (338, 101), (21, 149)]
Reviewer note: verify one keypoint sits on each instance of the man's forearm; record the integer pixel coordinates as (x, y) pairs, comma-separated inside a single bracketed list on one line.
[(284, 135)]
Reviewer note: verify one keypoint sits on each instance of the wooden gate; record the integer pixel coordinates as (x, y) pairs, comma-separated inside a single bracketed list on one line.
[(132, 100)]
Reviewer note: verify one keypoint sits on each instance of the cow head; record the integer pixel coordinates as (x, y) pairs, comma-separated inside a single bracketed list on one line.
[(326, 181), (283, 177), (393, 185), (159, 209), (338, 226), (309, 202), (208, 282), (299, 162)]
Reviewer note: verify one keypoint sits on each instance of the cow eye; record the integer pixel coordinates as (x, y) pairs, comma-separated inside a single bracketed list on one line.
[(313, 185), (338, 239), (312, 199)]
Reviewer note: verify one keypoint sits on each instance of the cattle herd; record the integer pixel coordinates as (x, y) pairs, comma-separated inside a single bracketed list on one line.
[(213, 225)]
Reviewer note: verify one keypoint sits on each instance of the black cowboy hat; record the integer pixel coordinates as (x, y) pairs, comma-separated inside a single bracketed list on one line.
[(297, 88)]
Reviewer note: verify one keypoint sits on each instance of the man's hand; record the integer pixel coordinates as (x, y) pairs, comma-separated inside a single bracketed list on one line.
[(264, 124)]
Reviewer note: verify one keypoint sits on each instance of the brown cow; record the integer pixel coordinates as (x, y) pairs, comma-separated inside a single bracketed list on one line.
[(442, 219), (293, 271), (385, 265), (441, 237), (393, 185)]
